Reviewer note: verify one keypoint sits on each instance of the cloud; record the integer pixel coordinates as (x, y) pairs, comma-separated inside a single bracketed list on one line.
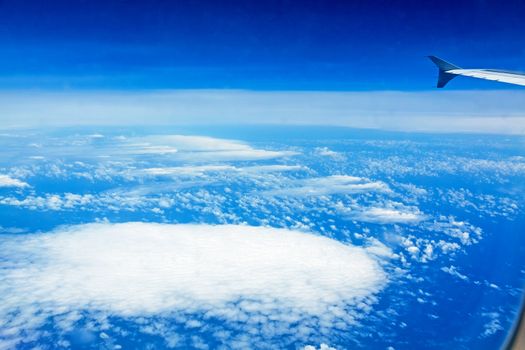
[(335, 184), (7, 181), (269, 283), (452, 270), (197, 148), (186, 170), (58, 202), (493, 325), (463, 231), (387, 216), (197, 143), (419, 249), (272, 168), (326, 152), (323, 346), (498, 111), (202, 169), (12, 230)]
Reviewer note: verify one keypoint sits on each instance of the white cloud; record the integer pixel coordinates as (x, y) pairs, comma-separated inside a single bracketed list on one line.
[(7, 181), (463, 231), (202, 169), (11, 230), (262, 280), (147, 148), (186, 170), (273, 168), (493, 325), (387, 216), (57, 202), (197, 143), (377, 248), (323, 346), (326, 152), (420, 249), (452, 270), (498, 111), (196, 148), (96, 136), (335, 184)]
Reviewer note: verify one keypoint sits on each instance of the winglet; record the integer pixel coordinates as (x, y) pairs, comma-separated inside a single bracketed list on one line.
[(443, 66)]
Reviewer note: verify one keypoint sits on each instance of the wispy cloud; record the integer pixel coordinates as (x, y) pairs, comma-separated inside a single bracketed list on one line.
[(196, 148), (202, 169), (335, 184)]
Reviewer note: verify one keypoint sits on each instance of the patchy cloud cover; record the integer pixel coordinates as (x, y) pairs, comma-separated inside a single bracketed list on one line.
[(379, 195)]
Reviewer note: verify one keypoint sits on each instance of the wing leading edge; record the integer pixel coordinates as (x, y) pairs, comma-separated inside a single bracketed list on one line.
[(448, 71)]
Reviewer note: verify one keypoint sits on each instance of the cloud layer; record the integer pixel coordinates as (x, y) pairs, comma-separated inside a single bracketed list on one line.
[(261, 277), (498, 111)]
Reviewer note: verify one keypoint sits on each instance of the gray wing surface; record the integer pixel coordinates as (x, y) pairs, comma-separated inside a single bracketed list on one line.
[(448, 71)]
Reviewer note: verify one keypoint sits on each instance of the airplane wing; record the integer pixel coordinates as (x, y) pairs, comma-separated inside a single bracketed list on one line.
[(448, 71)]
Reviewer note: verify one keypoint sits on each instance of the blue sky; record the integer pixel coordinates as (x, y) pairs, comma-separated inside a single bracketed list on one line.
[(344, 63), (255, 45)]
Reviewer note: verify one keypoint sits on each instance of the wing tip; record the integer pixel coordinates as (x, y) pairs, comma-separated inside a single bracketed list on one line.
[(443, 66)]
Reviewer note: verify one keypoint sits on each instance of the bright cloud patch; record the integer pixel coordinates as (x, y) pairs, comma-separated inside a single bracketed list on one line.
[(201, 169), (335, 184), (326, 152), (199, 148), (7, 181), (388, 216), (187, 170), (241, 284)]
